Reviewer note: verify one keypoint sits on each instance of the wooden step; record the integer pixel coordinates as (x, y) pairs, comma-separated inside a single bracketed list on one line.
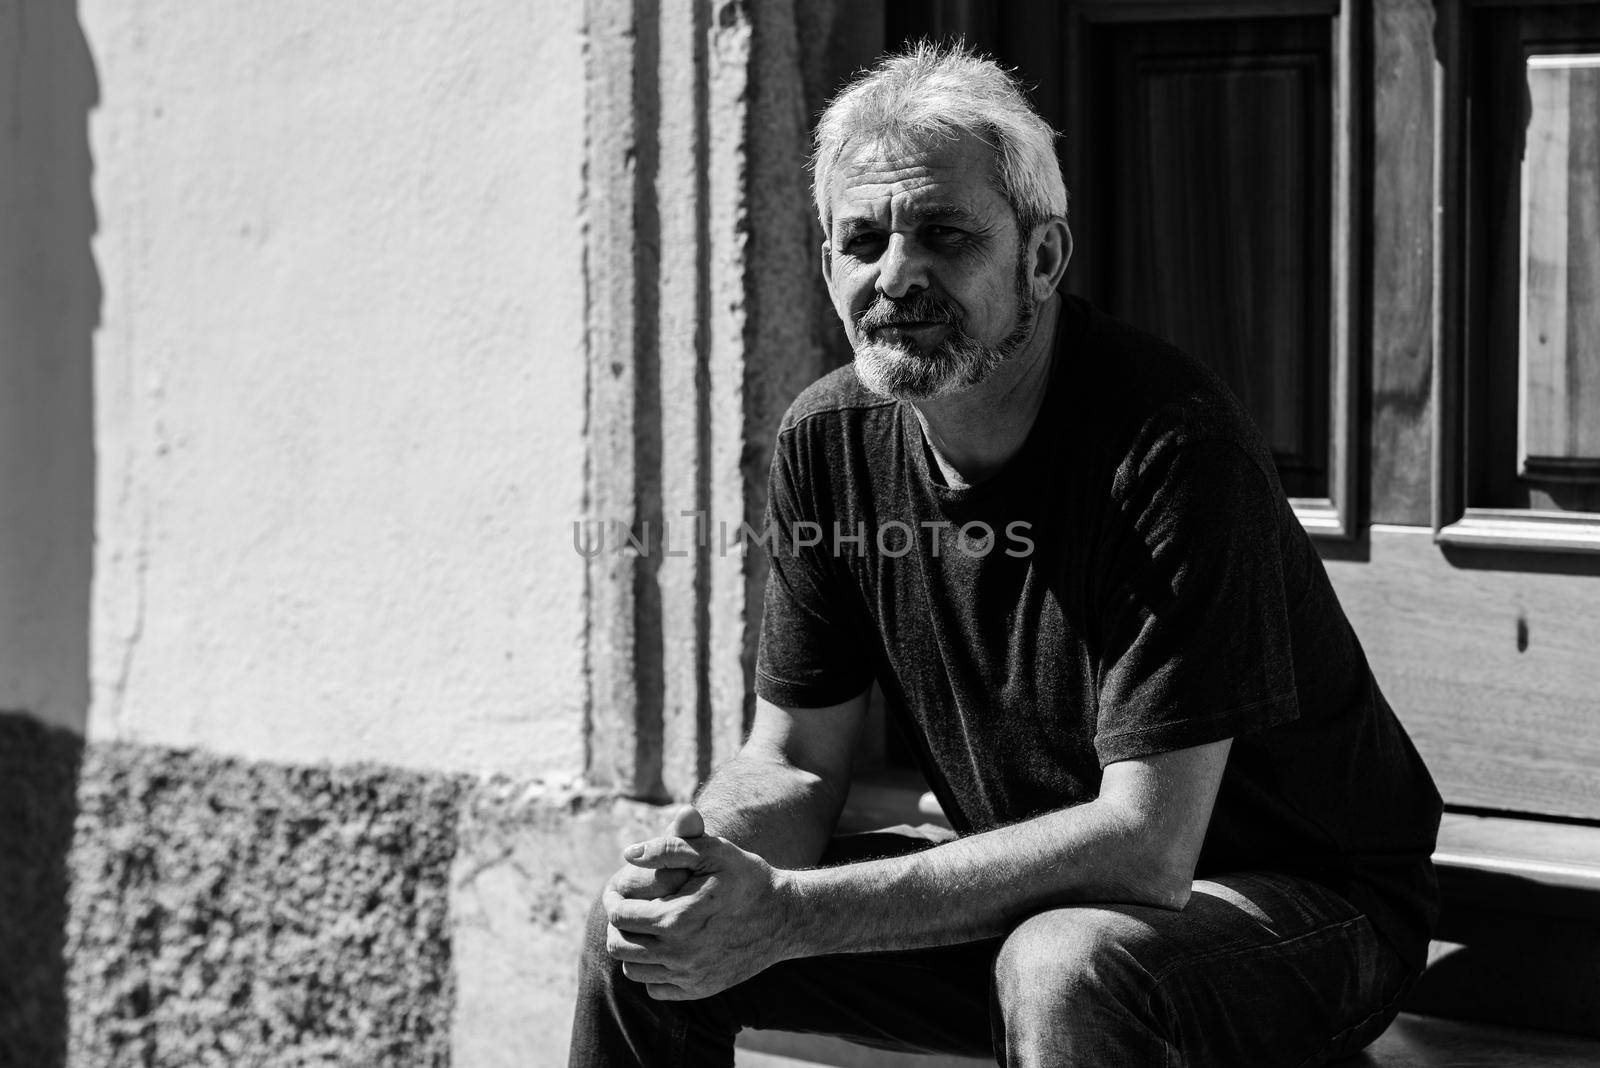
[(1518, 942)]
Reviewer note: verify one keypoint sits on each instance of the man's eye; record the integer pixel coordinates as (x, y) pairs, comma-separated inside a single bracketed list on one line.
[(864, 244), (944, 235)]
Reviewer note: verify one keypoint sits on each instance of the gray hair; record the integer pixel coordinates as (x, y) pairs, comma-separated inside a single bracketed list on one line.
[(933, 92)]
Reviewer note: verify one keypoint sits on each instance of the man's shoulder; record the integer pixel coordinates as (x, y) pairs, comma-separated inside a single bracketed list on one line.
[(835, 399), (1138, 373), (1145, 394)]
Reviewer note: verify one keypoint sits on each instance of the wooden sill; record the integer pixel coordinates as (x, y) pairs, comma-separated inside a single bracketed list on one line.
[(1523, 529)]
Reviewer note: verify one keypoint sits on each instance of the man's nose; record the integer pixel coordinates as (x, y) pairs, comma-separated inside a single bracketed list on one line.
[(902, 267)]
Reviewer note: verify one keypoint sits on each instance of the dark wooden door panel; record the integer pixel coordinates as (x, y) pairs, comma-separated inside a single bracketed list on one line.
[(1211, 228)]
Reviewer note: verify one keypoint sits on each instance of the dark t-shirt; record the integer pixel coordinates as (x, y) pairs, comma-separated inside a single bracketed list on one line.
[(1143, 586)]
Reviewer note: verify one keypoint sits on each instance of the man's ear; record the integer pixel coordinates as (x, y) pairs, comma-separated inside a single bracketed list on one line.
[(1051, 251), (827, 263)]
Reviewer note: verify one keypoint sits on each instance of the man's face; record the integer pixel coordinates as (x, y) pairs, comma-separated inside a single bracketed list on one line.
[(926, 267)]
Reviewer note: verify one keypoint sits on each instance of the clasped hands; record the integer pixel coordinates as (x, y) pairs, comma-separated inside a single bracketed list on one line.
[(691, 914)]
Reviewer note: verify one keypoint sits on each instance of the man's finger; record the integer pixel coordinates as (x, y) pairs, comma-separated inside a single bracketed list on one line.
[(630, 947), (667, 992), (648, 883), (663, 853), (687, 823), (647, 973), (639, 917)]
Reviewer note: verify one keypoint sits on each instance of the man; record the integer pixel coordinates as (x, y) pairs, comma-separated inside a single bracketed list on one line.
[(1191, 831)]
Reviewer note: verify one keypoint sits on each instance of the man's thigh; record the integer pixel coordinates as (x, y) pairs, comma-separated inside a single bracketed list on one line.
[(1257, 969), (922, 1001)]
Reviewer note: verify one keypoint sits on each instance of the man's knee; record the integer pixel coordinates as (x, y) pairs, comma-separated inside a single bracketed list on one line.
[(596, 963), (594, 930), (1055, 964)]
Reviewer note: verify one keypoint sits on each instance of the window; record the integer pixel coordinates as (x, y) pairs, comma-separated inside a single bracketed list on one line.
[(1521, 455)]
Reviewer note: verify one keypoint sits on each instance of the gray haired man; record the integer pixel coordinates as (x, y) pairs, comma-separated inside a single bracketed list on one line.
[(1190, 829)]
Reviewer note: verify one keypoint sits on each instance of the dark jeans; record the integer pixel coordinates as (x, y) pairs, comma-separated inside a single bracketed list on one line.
[(1259, 969)]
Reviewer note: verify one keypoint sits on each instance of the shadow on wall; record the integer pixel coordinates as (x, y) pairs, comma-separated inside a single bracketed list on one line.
[(49, 309), (38, 785)]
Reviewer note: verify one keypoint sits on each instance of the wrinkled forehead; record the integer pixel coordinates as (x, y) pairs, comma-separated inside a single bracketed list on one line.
[(902, 172)]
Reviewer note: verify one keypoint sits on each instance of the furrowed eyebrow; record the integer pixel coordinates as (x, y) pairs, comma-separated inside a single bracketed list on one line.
[(939, 213), (848, 229)]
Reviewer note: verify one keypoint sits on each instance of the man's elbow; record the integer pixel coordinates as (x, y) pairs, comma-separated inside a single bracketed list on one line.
[(1172, 895), (826, 793), (1168, 878), (1153, 865), (1161, 874)]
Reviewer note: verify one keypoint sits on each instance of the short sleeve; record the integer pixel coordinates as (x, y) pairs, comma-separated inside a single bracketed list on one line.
[(812, 651), (1193, 610)]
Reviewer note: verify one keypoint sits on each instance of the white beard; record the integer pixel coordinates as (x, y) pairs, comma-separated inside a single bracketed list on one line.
[(902, 372)]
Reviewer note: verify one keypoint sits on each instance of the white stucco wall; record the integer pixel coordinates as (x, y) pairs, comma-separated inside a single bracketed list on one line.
[(48, 301), (340, 380)]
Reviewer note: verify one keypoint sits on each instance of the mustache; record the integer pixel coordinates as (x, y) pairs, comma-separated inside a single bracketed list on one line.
[(916, 308)]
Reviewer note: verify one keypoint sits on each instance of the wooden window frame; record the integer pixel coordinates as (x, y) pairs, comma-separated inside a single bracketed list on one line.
[(1456, 521)]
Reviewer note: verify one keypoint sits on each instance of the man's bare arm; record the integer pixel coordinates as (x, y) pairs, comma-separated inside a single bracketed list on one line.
[(780, 797), (1136, 843)]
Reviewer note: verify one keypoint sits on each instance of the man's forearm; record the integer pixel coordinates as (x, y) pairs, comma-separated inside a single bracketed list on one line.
[(771, 808), (979, 886)]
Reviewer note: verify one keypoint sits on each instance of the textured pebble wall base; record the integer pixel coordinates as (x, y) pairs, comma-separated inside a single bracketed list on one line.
[(227, 913)]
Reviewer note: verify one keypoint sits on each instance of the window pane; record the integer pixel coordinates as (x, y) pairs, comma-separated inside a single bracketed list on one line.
[(1559, 414), (1533, 185)]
